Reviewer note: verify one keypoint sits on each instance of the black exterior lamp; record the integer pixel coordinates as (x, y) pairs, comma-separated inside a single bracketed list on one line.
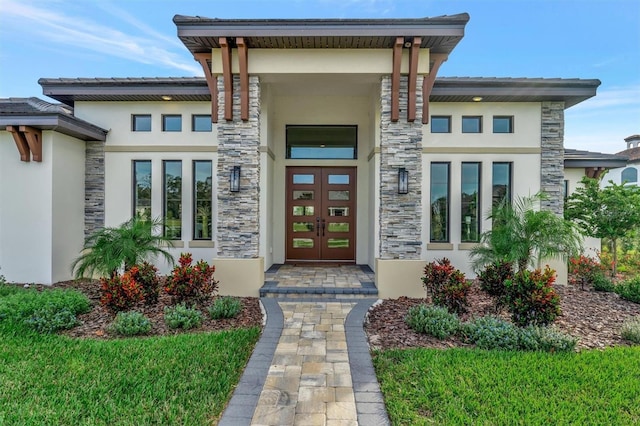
[(403, 181), (234, 179)]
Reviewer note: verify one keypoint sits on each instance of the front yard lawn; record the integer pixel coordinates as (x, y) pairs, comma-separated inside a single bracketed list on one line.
[(184, 379), (467, 386)]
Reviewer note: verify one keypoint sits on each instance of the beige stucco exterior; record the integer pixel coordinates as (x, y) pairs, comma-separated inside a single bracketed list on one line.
[(239, 277)]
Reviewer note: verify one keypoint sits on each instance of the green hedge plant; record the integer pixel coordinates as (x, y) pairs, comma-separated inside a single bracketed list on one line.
[(435, 321), (629, 289), (631, 330)]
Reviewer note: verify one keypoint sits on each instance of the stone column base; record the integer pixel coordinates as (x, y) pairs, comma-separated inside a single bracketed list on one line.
[(239, 277)]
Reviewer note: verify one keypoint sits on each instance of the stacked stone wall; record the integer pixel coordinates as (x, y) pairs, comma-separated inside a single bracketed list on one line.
[(552, 156), (93, 187), (400, 146), (238, 145)]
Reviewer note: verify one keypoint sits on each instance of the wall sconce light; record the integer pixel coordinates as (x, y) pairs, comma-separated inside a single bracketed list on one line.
[(403, 181), (234, 179)]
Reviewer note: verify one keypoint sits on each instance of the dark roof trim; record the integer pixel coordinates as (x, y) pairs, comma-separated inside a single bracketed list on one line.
[(60, 123), (574, 158), (462, 89)]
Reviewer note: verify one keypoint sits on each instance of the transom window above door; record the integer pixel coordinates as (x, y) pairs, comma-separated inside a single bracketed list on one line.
[(322, 142)]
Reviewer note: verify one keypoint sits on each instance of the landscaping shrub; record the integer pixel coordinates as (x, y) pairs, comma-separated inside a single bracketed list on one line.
[(180, 316), (631, 330), (225, 307), (22, 304), (50, 319), (602, 283), (493, 276), (531, 298), (629, 289), (432, 320), (130, 323), (447, 285), (121, 292), (147, 276), (546, 339), (584, 270), (188, 282), (491, 333)]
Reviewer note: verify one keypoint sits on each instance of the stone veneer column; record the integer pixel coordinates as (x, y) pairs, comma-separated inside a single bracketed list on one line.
[(93, 187), (239, 145), (400, 146), (552, 157)]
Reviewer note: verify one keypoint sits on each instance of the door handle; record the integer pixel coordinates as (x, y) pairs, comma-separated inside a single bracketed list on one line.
[(323, 223), (318, 226)]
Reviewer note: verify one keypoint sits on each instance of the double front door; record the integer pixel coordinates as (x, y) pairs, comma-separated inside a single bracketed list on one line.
[(321, 213)]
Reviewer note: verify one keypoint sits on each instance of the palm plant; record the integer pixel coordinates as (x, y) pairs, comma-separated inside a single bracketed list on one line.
[(108, 250), (521, 234)]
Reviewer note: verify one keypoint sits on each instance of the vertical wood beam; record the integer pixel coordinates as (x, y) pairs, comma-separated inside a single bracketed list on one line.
[(227, 78), (395, 79), (413, 79), (34, 140), (243, 58), (21, 143), (212, 82), (429, 80)]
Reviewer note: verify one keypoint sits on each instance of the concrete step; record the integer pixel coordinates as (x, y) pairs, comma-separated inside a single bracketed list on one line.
[(367, 290)]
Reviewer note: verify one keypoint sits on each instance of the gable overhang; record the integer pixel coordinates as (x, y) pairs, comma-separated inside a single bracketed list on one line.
[(462, 89), (595, 164)]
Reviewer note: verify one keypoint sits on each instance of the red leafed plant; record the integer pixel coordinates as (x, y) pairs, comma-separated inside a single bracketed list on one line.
[(531, 297), (446, 285), (189, 282), (121, 292), (583, 270)]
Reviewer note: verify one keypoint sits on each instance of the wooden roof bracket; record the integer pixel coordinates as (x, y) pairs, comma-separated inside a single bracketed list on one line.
[(395, 79), (243, 62), (212, 82), (594, 172), (413, 79), (227, 78), (28, 141), (429, 80)]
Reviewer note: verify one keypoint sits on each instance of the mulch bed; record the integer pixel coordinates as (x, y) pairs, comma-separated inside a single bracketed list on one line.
[(96, 322), (594, 317)]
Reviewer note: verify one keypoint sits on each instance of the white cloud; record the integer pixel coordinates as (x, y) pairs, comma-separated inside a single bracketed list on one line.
[(140, 44)]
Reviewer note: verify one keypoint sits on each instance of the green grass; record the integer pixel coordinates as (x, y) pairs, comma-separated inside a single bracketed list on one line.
[(184, 379), (462, 386)]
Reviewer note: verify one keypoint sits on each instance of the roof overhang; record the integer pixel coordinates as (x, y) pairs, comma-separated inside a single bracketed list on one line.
[(71, 90), (439, 34), (60, 123), (464, 89), (574, 158)]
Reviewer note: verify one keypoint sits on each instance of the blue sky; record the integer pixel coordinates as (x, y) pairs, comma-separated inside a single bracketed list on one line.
[(504, 38)]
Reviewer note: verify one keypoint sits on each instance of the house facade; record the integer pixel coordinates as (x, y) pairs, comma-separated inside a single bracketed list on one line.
[(307, 141), (627, 173)]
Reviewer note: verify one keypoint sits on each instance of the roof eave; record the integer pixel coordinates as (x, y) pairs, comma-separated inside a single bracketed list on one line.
[(70, 126)]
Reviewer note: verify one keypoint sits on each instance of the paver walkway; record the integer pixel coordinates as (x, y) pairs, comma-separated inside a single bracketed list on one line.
[(311, 367)]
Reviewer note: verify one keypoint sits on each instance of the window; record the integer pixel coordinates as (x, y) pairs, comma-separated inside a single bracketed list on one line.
[(629, 175), (439, 202), (471, 124), (565, 190), (502, 124), (172, 200), (501, 182), (440, 124), (322, 142), (142, 189), (202, 201), (470, 207), (141, 122), (201, 123), (171, 123)]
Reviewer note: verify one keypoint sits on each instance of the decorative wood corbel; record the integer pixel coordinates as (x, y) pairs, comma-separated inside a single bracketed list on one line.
[(243, 61), (395, 79), (212, 82), (429, 80), (413, 79), (227, 77), (28, 141)]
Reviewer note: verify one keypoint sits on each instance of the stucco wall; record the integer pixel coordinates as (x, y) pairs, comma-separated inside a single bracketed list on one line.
[(26, 215)]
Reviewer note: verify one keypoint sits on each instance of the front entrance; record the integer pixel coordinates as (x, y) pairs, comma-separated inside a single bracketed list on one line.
[(321, 214)]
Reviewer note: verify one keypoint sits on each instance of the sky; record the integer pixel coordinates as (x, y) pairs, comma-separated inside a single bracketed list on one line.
[(588, 39)]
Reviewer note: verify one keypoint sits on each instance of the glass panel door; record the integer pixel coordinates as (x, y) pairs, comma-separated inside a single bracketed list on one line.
[(321, 213)]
